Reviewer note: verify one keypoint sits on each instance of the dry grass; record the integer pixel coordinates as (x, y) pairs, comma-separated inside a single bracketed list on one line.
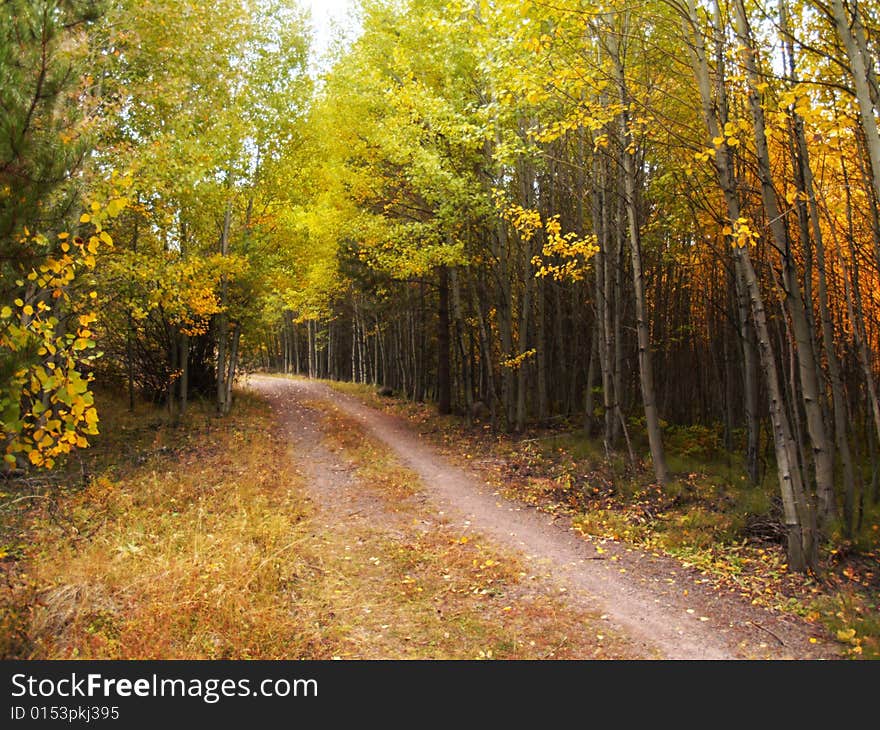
[(194, 553), (198, 542)]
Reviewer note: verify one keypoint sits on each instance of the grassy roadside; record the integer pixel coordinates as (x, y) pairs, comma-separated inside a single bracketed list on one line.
[(707, 518), (184, 542), (198, 541)]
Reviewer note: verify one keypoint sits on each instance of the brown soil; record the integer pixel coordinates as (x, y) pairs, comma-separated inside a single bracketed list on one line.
[(664, 608)]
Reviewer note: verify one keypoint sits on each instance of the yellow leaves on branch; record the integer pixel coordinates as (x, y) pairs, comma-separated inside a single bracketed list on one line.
[(186, 289), (741, 234), (729, 137), (525, 222), (46, 406), (516, 361), (564, 256)]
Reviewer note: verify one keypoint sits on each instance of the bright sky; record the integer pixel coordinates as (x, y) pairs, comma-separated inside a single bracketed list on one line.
[(326, 15)]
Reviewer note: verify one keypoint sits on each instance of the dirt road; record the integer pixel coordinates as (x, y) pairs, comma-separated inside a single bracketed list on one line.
[(665, 609)]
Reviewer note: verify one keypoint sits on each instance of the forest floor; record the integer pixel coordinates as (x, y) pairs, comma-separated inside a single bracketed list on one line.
[(314, 524)]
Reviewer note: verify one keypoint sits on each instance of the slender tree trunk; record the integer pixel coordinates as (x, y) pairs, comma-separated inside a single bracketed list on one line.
[(522, 345), (855, 309), (617, 264), (588, 394), (297, 367), (750, 376), (129, 358), (826, 506), (458, 316), (354, 344), (184, 372), (541, 354), (171, 390), (311, 349), (646, 375), (222, 317), (376, 352), (486, 357), (603, 304), (444, 383), (233, 366)]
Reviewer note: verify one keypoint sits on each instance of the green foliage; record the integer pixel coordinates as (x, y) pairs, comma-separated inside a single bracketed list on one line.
[(49, 109), (48, 247), (695, 441), (207, 122)]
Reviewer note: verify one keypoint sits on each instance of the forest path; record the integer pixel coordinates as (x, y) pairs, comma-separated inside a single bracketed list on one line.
[(665, 609)]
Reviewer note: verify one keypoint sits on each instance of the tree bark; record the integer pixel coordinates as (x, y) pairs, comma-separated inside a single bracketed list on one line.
[(646, 375), (222, 317), (826, 506), (444, 382), (861, 67)]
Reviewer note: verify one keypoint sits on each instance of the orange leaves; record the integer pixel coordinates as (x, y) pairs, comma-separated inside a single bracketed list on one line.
[(515, 361)]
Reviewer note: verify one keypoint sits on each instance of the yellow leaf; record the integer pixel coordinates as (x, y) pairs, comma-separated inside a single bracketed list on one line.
[(85, 218), (116, 206), (846, 634)]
